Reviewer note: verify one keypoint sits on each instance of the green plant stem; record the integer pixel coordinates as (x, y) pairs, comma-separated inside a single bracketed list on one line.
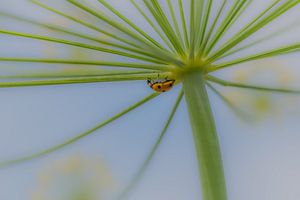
[(80, 136), (205, 137)]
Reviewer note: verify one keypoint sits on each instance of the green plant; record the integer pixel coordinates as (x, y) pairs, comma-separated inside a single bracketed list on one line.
[(191, 50)]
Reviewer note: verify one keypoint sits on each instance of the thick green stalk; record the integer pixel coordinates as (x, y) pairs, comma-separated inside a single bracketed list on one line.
[(205, 137)]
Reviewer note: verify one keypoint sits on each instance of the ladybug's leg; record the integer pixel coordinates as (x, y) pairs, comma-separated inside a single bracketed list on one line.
[(158, 76), (149, 82)]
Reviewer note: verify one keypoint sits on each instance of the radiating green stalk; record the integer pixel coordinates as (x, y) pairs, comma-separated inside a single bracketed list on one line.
[(84, 79), (261, 40), (90, 63), (271, 53), (239, 11), (204, 25), (239, 113), (168, 27), (205, 137), (213, 26), (155, 28), (130, 23), (199, 20), (158, 14), (183, 23), (81, 45), (77, 34), (161, 54), (251, 87), (225, 25), (115, 24), (258, 17), (241, 36), (175, 22), (85, 24), (78, 137), (77, 73), (192, 30), (137, 177)]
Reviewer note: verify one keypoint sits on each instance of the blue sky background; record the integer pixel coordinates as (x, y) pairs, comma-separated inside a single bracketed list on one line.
[(261, 159)]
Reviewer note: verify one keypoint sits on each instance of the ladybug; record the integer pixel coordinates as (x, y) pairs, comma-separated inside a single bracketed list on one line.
[(161, 85)]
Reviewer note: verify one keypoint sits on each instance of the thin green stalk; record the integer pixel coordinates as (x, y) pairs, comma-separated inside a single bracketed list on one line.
[(183, 24), (213, 26), (78, 137), (175, 22), (90, 63), (239, 113), (168, 27), (225, 25), (240, 11), (71, 73), (205, 137), (137, 177), (84, 79), (77, 34), (251, 87), (258, 17), (148, 45), (199, 20), (204, 25), (261, 40), (241, 36), (130, 23), (237, 16), (158, 14), (192, 30), (155, 28), (271, 53), (81, 45), (85, 24)]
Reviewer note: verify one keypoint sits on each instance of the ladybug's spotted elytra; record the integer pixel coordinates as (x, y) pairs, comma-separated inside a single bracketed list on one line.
[(161, 86)]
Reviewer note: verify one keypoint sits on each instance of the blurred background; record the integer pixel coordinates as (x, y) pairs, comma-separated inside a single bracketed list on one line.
[(261, 153)]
